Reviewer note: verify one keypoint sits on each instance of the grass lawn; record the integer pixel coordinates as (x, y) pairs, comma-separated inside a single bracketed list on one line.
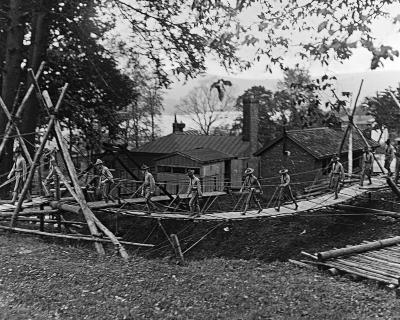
[(41, 280)]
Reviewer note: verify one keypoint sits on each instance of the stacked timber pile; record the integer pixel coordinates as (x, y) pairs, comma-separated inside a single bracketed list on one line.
[(376, 260)]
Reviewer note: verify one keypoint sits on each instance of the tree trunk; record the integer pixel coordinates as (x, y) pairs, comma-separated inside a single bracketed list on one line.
[(11, 73), (39, 39)]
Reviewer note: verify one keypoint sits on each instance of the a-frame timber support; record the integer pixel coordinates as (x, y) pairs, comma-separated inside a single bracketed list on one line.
[(54, 127)]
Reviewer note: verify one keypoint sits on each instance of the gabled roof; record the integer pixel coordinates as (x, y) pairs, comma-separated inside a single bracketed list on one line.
[(321, 142), (181, 141), (202, 155)]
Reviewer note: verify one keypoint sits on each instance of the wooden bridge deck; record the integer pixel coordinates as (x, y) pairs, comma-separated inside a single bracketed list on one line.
[(346, 194), (36, 202)]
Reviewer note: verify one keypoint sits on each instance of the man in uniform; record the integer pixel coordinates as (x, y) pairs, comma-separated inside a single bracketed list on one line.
[(337, 175), (397, 154), (19, 171), (284, 188), (367, 165), (250, 185), (106, 179), (194, 192), (389, 156), (148, 188)]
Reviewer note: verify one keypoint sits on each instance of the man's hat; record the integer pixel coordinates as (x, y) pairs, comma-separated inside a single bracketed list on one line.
[(190, 171), (283, 171), (335, 158), (98, 161), (249, 171), (144, 167)]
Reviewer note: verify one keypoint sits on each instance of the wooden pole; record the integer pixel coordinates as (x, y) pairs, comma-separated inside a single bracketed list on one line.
[(350, 153), (177, 247), (65, 236), (395, 99), (87, 213), (358, 248), (367, 144), (350, 119), (90, 217), (21, 140), (11, 125), (36, 158)]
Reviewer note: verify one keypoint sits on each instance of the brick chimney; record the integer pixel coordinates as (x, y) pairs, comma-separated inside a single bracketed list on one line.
[(177, 127), (250, 122)]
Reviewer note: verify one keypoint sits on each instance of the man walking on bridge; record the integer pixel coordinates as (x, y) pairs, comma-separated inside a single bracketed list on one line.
[(148, 188), (389, 156), (397, 154), (19, 171), (194, 191), (106, 179), (250, 185), (337, 175), (284, 188), (367, 165)]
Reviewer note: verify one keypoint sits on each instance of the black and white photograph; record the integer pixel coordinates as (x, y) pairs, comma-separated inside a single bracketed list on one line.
[(199, 159)]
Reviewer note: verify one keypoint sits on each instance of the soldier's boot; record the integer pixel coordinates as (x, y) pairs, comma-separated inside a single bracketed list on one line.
[(245, 210), (259, 207), (198, 214), (295, 205), (370, 181), (14, 197)]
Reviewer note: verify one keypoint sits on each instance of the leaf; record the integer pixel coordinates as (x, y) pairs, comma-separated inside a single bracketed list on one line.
[(322, 25)]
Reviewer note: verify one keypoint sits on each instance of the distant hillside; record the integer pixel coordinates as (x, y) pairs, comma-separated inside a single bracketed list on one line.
[(373, 81)]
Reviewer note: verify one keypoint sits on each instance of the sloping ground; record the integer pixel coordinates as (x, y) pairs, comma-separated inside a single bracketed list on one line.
[(42, 281)]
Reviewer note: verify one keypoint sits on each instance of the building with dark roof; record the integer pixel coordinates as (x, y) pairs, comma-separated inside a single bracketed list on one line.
[(307, 153), (238, 150), (210, 165)]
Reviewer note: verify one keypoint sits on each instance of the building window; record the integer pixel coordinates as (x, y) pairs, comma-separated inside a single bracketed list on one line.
[(179, 170), (164, 169)]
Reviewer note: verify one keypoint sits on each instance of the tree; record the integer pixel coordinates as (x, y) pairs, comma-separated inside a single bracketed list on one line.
[(203, 106), (270, 115), (294, 105), (385, 111)]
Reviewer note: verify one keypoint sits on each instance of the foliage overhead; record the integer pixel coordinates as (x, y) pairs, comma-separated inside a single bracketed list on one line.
[(384, 109), (177, 35)]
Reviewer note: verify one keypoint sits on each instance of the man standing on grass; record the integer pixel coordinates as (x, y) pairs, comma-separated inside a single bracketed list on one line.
[(337, 175), (389, 156), (251, 185), (284, 188), (106, 179), (148, 188), (194, 192), (367, 165)]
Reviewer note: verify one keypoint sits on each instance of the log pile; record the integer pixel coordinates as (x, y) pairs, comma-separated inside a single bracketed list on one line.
[(376, 260)]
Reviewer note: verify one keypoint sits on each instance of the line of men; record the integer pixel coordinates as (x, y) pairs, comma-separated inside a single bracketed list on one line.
[(251, 185)]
